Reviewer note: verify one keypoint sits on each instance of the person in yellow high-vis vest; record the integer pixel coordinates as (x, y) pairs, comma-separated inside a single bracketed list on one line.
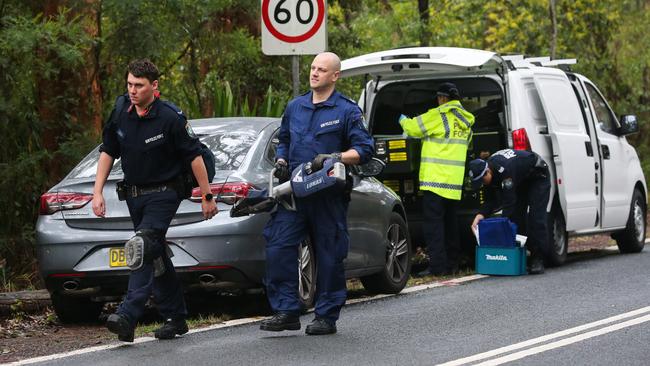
[(446, 131)]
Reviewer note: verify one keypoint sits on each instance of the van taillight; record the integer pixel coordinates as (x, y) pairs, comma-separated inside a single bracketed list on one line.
[(227, 193), (57, 201), (520, 140)]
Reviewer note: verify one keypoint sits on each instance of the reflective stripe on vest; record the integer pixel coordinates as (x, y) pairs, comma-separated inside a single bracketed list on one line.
[(443, 161), (447, 141), (421, 125), (461, 118), (445, 124), (456, 187)]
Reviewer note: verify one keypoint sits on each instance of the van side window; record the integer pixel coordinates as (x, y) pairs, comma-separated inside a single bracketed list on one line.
[(604, 115)]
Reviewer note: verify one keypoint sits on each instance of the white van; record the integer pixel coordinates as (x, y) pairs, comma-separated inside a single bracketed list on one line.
[(520, 103)]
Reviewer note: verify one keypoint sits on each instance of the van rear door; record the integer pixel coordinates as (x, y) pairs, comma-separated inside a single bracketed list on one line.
[(575, 169), (404, 63)]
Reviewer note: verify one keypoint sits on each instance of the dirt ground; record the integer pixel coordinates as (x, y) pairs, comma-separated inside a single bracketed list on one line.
[(31, 335)]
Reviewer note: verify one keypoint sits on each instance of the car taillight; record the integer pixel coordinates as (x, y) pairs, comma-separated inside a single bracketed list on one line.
[(228, 193), (56, 201), (520, 140)]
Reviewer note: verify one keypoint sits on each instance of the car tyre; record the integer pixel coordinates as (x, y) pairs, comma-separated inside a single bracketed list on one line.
[(76, 310), (307, 272), (632, 238), (397, 268), (557, 237)]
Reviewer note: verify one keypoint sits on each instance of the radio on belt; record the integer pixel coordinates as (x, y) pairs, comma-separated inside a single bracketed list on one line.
[(401, 154)]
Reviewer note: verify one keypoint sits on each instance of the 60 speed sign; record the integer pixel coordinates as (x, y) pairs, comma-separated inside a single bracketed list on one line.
[(294, 27)]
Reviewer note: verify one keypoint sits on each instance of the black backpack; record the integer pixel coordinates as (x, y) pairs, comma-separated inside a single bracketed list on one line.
[(189, 180)]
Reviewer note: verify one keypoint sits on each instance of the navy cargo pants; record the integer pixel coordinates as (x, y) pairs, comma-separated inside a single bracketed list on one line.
[(530, 213), (440, 229), (154, 211), (323, 218)]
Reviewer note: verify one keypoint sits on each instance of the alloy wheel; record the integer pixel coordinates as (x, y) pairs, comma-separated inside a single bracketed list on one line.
[(306, 271), (397, 253), (639, 222)]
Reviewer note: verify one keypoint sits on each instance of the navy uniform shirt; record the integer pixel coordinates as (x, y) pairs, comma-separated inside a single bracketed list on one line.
[(510, 170), (154, 148), (335, 125)]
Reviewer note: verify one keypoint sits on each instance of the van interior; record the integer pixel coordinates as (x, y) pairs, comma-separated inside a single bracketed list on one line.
[(481, 96)]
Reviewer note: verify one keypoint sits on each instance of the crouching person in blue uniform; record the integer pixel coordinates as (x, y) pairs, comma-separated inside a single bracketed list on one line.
[(519, 182), (155, 143), (321, 124)]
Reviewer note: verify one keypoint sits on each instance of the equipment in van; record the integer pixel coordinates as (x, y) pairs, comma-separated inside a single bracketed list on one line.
[(304, 182)]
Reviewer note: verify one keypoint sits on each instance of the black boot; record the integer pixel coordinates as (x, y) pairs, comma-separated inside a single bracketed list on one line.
[(280, 322), (171, 328), (119, 325), (536, 265), (320, 326)]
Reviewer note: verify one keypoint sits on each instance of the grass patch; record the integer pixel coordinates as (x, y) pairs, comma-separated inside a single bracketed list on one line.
[(195, 322)]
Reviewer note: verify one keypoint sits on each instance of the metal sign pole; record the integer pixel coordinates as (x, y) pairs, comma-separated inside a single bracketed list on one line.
[(295, 74)]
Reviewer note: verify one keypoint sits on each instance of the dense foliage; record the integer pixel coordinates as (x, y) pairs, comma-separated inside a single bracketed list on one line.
[(62, 65)]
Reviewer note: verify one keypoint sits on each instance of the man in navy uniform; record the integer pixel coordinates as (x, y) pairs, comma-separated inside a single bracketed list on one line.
[(519, 182), (155, 143), (321, 124)]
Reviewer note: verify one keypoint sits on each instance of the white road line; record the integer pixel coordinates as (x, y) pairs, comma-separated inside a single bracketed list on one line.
[(235, 322), (564, 342), (548, 337), (79, 352)]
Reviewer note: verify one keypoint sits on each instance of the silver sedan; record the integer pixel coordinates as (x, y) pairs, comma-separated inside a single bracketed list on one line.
[(81, 256)]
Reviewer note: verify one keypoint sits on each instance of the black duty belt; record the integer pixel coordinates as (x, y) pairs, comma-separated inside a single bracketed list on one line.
[(135, 191)]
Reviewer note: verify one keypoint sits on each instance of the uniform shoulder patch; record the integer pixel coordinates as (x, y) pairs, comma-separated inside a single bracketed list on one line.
[(507, 183), (190, 131)]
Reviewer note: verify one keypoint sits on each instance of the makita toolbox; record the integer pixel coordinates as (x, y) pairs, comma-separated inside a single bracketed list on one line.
[(401, 154), (498, 252)]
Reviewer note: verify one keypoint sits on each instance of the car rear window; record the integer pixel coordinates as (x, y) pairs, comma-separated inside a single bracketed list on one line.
[(229, 150)]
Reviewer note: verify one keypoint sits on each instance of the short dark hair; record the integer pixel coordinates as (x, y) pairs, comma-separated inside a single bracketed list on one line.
[(143, 68)]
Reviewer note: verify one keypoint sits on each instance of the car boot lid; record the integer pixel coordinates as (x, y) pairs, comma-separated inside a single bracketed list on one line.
[(412, 62)]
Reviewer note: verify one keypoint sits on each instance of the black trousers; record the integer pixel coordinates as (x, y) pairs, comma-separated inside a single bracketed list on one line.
[(154, 211), (440, 228), (530, 214)]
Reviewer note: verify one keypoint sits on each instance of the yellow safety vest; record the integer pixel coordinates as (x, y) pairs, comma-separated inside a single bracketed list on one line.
[(445, 132)]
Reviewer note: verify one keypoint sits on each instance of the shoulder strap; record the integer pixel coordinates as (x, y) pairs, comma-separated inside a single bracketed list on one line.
[(174, 108)]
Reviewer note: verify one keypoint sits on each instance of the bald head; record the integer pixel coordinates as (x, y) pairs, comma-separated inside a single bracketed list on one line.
[(331, 59), (325, 71)]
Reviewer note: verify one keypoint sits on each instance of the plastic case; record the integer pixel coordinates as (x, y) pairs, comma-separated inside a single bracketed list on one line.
[(499, 252), (501, 261)]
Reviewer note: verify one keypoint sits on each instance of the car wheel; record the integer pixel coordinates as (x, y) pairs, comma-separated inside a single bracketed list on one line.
[(76, 310), (558, 238), (397, 268), (306, 273), (632, 238)]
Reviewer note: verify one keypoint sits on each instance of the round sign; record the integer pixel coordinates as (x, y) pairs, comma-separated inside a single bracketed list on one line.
[(292, 38)]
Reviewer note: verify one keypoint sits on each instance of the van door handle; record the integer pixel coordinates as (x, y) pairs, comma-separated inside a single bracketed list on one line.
[(605, 149), (590, 150)]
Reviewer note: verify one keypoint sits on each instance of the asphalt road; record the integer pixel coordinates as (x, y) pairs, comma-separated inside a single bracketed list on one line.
[(446, 324)]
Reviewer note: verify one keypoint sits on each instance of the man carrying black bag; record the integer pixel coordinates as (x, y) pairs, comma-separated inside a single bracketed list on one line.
[(518, 182), (155, 143)]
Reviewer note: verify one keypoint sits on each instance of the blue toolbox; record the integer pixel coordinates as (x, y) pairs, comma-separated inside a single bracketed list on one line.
[(498, 252)]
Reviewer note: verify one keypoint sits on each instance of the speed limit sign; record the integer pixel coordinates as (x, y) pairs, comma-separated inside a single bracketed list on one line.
[(294, 27)]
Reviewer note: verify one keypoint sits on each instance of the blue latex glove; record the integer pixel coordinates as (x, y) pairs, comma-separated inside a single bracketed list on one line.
[(401, 117)]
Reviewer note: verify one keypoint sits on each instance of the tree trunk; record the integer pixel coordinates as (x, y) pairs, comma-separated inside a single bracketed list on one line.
[(553, 14), (425, 34), (89, 112)]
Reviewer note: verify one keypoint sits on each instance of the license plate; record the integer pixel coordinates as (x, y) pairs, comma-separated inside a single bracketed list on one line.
[(116, 257)]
